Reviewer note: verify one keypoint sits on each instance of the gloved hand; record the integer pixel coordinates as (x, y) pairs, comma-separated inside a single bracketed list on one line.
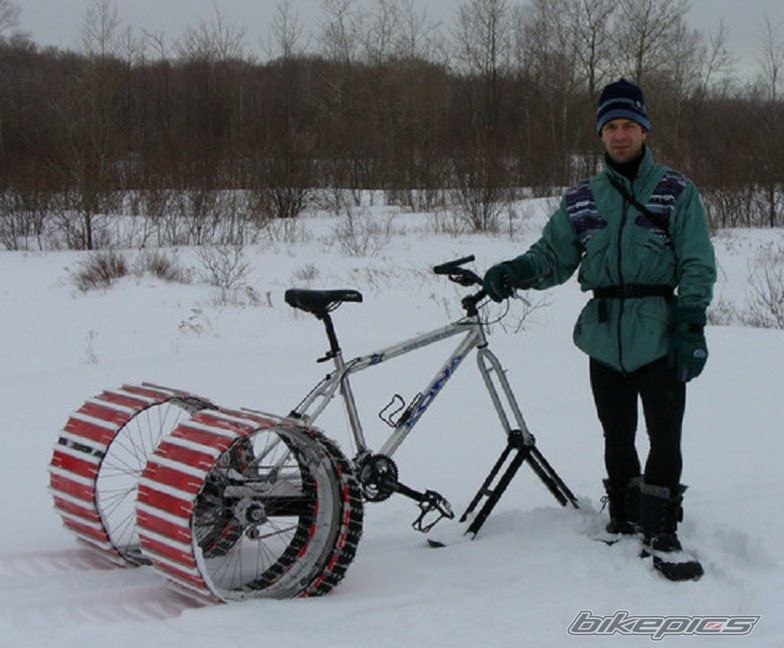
[(689, 348), (501, 279)]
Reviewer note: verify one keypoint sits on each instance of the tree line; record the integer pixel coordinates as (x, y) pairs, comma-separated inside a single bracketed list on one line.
[(499, 104)]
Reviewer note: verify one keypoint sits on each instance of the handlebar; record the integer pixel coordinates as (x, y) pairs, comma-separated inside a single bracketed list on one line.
[(456, 273), (450, 266), (464, 277)]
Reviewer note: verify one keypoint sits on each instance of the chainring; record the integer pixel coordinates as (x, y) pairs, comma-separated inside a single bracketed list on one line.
[(377, 475)]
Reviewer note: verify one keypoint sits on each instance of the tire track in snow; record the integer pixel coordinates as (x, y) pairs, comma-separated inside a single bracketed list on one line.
[(74, 587)]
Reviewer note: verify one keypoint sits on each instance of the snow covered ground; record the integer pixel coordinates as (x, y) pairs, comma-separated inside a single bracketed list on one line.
[(532, 569)]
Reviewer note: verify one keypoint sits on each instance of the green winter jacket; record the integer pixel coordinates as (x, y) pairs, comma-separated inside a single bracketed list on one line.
[(614, 244)]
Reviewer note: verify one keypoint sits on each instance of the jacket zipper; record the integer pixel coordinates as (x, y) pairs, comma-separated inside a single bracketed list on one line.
[(620, 277)]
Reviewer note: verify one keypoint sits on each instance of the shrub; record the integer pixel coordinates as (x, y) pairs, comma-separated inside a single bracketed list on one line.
[(162, 265), (100, 269), (359, 234), (224, 267), (766, 289)]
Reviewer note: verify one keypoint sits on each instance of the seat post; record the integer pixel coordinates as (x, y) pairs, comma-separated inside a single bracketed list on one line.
[(334, 346), (334, 354)]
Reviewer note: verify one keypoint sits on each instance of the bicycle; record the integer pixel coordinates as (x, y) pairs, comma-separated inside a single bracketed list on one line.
[(236, 504)]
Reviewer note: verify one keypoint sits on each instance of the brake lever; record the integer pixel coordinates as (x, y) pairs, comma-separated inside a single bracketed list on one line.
[(465, 278), (519, 295), (516, 293)]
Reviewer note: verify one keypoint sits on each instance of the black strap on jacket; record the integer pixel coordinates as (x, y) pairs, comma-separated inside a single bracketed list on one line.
[(634, 291), (662, 223), (630, 291)]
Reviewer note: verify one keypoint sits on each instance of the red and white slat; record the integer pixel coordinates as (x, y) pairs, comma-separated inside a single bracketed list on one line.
[(77, 458), (174, 476)]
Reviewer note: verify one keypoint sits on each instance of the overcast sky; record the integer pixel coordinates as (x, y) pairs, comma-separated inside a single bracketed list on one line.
[(58, 22)]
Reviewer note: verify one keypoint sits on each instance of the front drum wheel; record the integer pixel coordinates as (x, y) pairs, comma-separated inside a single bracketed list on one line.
[(250, 506)]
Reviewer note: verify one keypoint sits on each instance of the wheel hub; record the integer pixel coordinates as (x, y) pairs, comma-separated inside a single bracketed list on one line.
[(250, 512)]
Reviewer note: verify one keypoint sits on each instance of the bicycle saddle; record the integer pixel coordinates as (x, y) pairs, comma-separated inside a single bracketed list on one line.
[(320, 301)]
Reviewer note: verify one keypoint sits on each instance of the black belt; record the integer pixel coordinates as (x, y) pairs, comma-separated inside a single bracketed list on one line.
[(630, 291), (634, 291)]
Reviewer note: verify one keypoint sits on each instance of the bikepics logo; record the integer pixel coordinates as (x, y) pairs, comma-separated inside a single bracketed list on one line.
[(659, 627)]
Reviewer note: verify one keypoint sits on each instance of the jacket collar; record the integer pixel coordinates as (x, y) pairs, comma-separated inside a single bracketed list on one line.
[(645, 169)]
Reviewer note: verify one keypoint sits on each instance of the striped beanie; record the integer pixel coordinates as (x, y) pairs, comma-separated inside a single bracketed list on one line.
[(621, 100)]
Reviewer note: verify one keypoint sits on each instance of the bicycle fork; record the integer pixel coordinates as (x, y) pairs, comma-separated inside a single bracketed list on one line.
[(520, 448)]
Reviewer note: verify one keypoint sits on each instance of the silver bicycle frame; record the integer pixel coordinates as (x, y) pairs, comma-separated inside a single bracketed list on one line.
[(311, 407)]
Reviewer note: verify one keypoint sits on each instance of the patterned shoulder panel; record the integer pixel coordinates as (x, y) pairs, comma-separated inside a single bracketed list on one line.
[(582, 211), (661, 203)]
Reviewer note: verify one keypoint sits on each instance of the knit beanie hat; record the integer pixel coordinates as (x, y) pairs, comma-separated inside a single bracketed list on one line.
[(621, 100)]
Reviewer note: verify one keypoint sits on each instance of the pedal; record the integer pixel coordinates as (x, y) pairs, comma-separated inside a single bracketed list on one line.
[(433, 507)]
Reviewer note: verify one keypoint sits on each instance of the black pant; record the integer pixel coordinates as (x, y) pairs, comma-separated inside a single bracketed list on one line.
[(663, 402)]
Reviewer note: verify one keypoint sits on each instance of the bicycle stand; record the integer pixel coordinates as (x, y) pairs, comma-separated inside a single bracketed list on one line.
[(514, 455)]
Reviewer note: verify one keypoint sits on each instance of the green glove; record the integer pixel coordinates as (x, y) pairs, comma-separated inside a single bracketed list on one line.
[(689, 349), (501, 279)]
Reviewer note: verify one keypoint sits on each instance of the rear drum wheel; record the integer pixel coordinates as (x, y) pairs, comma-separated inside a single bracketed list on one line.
[(99, 458)]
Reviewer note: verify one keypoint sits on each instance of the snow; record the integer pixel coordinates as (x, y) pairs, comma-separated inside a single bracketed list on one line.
[(532, 567)]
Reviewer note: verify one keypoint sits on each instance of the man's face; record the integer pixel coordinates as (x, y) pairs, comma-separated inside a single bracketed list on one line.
[(623, 139)]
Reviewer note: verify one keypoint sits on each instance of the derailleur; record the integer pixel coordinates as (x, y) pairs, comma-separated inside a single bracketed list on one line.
[(378, 478)]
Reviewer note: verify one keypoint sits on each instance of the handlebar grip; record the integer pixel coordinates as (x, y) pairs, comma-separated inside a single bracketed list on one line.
[(449, 266)]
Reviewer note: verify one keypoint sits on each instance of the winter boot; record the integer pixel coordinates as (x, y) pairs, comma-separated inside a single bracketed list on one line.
[(660, 512), (624, 502)]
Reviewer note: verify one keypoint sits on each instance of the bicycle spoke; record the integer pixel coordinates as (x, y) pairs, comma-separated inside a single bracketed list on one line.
[(125, 460)]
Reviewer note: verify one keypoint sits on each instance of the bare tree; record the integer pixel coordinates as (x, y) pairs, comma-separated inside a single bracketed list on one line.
[(682, 71), (217, 40), (483, 36), (717, 62), (131, 48), (101, 28), (484, 47), (772, 58), (105, 34), (643, 31), (155, 44), (418, 37), (483, 51), (771, 122), (279, 158), (285, 38), (396, 29), (547, 58), (383, 27), (342, 29), (588, 24), (685, 56), (9, 16)]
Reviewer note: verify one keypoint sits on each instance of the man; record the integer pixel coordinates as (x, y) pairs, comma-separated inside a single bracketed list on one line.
[(638, 233)]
